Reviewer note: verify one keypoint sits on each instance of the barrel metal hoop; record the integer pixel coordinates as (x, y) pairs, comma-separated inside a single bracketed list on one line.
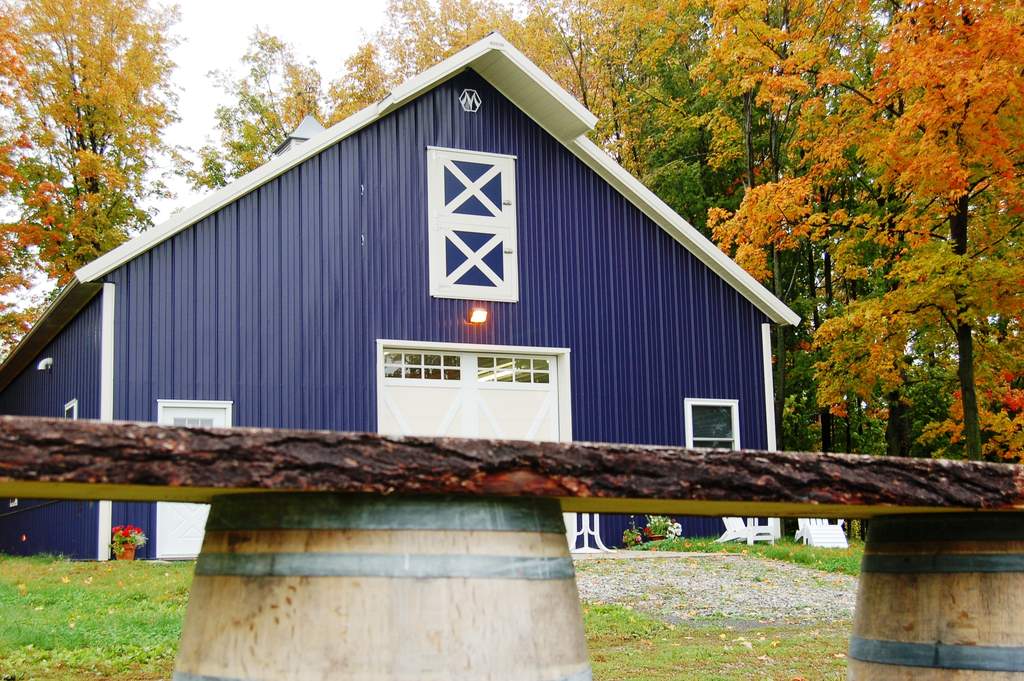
[(946, 527), (396, 565), (938, 655), (910, 563), (584, 675), (367, 512)]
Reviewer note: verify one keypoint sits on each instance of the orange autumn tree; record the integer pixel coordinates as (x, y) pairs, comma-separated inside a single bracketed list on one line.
[(93, 102), (15, 259), (939, 129), (769, 64)]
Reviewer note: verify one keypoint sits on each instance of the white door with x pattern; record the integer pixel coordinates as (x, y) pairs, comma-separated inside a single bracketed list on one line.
[(472, 221)]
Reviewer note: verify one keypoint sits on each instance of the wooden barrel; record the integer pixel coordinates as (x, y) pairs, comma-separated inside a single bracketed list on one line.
[(941, 597), (356, 587)]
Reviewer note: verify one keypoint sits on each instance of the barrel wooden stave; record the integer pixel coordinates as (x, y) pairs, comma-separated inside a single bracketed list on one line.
[(863, 671), (483, 605), (941, 598)]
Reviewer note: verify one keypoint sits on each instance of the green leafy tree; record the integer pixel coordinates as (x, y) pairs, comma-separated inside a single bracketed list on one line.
[(276, 92)]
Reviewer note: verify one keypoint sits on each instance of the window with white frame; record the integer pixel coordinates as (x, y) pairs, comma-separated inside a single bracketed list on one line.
[(71, 409), (472, 222), (712, 424), (194, 413)]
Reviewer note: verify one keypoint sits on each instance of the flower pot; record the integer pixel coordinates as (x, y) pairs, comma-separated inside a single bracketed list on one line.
[(655, 537), (126, 553)]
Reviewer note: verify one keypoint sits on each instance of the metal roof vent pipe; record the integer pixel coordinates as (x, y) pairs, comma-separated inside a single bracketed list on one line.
[(307, 128)]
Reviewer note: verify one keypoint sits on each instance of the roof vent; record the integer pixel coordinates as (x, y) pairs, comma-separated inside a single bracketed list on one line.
[(309, 127)]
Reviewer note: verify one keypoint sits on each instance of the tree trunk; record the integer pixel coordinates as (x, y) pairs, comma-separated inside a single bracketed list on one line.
[(748, 134), (826, 415), (965, 340), (897, 427)]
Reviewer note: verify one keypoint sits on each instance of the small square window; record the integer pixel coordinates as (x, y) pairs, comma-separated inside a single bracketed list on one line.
[(712, 424)]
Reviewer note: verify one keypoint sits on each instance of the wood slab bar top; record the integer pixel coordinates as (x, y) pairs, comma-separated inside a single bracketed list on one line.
[(56, 458)]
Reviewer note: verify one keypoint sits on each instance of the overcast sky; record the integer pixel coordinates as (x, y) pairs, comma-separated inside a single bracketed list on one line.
[(215, 34)]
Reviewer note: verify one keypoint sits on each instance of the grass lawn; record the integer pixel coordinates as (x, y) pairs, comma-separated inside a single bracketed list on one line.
[(122, 621), (845, 561)]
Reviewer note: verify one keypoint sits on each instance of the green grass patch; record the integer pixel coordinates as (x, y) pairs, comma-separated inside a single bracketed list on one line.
[(64, 619), (629, 646), (845, 561), (122, 621)]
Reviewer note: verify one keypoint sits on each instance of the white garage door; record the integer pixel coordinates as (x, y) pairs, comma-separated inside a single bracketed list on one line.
[(505, 395)]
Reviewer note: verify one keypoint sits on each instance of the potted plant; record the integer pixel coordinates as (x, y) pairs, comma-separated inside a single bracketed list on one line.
[(632, 537), (124, 540), (660, 527)]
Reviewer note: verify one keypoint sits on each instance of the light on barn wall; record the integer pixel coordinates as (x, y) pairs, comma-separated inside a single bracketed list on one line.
[(45, 364), (477, 316)]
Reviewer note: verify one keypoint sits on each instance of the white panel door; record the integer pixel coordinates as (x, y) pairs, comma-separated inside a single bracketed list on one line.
[(180, 527), (502, 395)]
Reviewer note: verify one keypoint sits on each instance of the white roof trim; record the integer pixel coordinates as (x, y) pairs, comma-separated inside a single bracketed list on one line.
[(530, 89)]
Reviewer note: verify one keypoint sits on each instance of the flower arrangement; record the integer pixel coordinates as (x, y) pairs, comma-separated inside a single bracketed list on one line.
[(124, 539), (632, 537), (662, 527)]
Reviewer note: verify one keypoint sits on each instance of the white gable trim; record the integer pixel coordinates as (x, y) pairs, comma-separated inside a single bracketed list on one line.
[(529, 88)]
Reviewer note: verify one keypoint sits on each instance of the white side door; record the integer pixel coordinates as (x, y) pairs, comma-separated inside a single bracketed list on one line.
[(180, 527)]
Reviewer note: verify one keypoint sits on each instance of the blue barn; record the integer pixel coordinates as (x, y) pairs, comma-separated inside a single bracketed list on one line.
[(457, 259)]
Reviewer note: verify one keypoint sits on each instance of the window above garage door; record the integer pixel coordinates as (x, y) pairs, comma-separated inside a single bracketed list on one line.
[(472, 222)]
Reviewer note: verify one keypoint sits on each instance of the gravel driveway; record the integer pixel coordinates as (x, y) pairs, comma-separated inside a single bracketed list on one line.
[(742, 590)]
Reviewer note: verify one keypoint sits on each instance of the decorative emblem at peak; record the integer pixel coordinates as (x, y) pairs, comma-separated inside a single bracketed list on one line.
[(470, 100)]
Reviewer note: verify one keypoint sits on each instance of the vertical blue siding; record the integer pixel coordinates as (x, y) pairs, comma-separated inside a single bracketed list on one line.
[(75, 373), (67, 528), (275, 303), (47, 526), (613, 525)]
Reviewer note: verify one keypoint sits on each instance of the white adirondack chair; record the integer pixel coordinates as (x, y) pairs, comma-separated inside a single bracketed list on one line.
[(736, 529), (820, 532), (590, 531)]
